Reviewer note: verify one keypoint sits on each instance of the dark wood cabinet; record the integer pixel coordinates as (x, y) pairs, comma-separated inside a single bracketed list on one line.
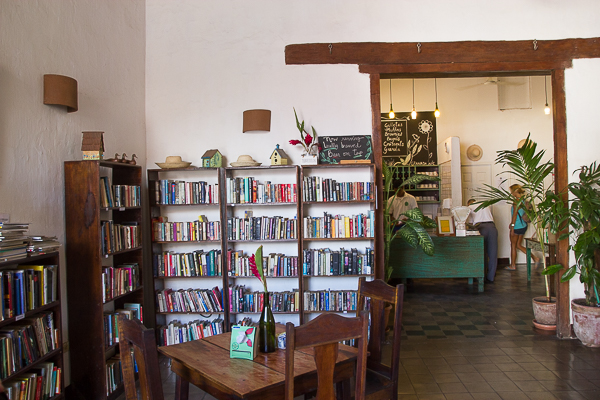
[(101, 237)]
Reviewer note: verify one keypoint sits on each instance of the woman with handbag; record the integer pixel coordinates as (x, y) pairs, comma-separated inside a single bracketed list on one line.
[(517, 228)]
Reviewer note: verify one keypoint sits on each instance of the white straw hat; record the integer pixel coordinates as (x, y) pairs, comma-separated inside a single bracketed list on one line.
[(174, 162), (245, 161), (474, 152)]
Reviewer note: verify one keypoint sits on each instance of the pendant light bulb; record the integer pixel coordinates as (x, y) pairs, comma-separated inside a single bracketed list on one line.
[(391, 114), (547, 109), (437, 111), (413, 114)]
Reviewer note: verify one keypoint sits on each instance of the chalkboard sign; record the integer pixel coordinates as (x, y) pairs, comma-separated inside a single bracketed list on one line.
[(410, 141), (335, 149)]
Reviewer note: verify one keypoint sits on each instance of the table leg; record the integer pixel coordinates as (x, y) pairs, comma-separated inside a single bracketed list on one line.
[(470, 281), (182, 389), (528, 264), (343, 390), (480, 282)]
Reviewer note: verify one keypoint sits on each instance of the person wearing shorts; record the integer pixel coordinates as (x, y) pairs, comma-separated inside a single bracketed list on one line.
[(517, 229)]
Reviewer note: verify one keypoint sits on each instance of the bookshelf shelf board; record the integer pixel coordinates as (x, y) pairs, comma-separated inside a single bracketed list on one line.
[(336, 239), (186, 241), (261, 204), (122, 251), (337, 276), (269, 277), (188, 277), (137, 289), (112, 164), (30, 313), (329, 166), (35, 364), (190, 312), (120, 208), (259, 312), (190, 169), (330, 312), (263, 241), (58, 397), (27, 259), (111, 347), (340, 202), (261, 167), (186, 205)]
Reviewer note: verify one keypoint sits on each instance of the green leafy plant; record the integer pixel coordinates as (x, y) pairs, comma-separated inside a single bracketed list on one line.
[(582, 217), (415, 223), (535, 176)]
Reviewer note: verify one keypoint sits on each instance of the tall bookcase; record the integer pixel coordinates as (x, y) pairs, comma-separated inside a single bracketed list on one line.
[(103, 248), (14, 321)]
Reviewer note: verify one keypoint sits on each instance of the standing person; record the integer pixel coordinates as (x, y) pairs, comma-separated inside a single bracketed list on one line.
[(517, 228), (484, 222), (399, 203)]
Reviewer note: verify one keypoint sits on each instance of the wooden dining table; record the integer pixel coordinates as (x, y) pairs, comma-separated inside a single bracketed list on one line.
[(206, 364)]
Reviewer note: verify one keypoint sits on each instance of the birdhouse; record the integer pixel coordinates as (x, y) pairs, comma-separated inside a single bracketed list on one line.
[(92, 145), (212, 158), (278, 157)]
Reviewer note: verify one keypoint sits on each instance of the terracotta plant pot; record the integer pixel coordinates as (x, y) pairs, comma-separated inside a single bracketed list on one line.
[(586, 323), (544, 311)]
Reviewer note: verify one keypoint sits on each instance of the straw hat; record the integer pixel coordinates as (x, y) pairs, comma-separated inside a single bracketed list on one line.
[(174, 162), (474, 152), (245, 161)]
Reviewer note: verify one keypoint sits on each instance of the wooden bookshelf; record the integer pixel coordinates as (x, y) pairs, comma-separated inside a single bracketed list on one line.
[(9, 320), (88, 299)]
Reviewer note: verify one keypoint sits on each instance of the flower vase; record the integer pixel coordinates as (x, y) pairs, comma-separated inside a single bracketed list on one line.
[(267, 341), (309, 158)]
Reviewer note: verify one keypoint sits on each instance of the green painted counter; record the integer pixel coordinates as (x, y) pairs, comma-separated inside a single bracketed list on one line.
[(454, 257)]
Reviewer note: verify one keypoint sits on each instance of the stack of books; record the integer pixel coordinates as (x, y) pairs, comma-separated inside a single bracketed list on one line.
[(13, 241), (42, 245)]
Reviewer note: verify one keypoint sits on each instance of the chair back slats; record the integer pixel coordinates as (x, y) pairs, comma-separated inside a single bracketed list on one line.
[(380, 294), (137, 339), (324, 334)]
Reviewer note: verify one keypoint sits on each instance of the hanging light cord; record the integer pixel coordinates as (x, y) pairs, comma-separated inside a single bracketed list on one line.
[(435, 80), (391, 102), (413, 94), (546, 89)]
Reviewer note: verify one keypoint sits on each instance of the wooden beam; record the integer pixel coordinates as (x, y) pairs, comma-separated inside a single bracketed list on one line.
[(561, 180), (462, 70), (378, 178), (375, 53)]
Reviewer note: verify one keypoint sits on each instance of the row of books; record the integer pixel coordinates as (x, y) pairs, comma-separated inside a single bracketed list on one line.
[(118, 237), (163, 231), (243, 190), (275, 264), (182, 192), (325, 262), (111, 325), (27, 288), (114, 373), (178, 332), (330, 300), (242, 300), (261, 228), (25, 342), (316, 188), (189, 301), (119, 195), (119, 280), (13, 240), (40, 383), (196, 263), (340, 226)]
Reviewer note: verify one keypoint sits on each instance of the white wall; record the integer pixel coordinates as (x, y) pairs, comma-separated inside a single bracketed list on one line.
[(101, 45)]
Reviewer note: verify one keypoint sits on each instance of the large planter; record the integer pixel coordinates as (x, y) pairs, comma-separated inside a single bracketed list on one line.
[(544, 312), (586, 323)]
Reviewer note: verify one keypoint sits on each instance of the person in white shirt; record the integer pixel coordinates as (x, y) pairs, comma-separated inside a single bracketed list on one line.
[(484, 222), (400, 203)]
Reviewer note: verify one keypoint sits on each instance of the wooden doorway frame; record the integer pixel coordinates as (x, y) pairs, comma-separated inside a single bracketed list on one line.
[(462, 59)]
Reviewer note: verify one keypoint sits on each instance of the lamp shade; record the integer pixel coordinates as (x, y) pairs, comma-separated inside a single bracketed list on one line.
[(60, 90), (257, 120)]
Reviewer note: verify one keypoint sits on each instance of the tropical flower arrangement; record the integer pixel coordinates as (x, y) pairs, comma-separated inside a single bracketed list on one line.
[(308, 142), (257, 268)]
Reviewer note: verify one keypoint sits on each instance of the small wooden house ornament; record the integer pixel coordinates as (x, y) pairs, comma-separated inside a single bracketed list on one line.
[(212, 158), (279, 157), (92, 145)]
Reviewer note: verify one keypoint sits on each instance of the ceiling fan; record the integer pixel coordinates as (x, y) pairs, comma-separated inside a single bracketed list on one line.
[(494, 81)]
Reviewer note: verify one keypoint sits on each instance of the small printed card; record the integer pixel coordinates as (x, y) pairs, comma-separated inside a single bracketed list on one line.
[(243, 342)]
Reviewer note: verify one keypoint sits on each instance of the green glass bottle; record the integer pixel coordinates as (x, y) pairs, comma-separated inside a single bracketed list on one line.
[(267, 341)]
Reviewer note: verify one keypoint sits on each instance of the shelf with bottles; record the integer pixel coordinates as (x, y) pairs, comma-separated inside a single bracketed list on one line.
[(425, 192)]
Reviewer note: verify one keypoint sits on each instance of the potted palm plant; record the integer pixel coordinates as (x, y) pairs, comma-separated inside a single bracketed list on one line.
[(413, 231), (527, 167), (583, 218)]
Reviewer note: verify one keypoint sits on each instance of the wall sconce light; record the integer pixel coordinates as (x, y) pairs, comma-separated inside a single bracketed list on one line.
[(60, 90), (391, 114), (437, 110), (547, 108), (257, 120), (413, 114)]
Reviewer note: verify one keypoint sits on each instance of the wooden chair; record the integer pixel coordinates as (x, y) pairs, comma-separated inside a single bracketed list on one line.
[(382, 380), (135, 336), (324, 334)]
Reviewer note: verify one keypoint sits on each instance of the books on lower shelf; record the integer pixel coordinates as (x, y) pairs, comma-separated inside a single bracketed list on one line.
[(120, 236), (318, 189), (261, 228), (178, 332), (191, 231), (181, 192), (114, 374), (23, 343), (189, 301), (327, 262), (330, 300), (241, 300), (243, 190), (274, 265), (118, 195), (194, 264), (40, 383), (27, 288), (340, 226), (120, 280), (111, 323)]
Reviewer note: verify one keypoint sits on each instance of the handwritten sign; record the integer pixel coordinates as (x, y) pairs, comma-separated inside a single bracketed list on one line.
[(337, 148), (408, 141)]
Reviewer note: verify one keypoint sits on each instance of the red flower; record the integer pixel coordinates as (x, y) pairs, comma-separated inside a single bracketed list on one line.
[(253, 269), (295, 142), (308, 139)]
